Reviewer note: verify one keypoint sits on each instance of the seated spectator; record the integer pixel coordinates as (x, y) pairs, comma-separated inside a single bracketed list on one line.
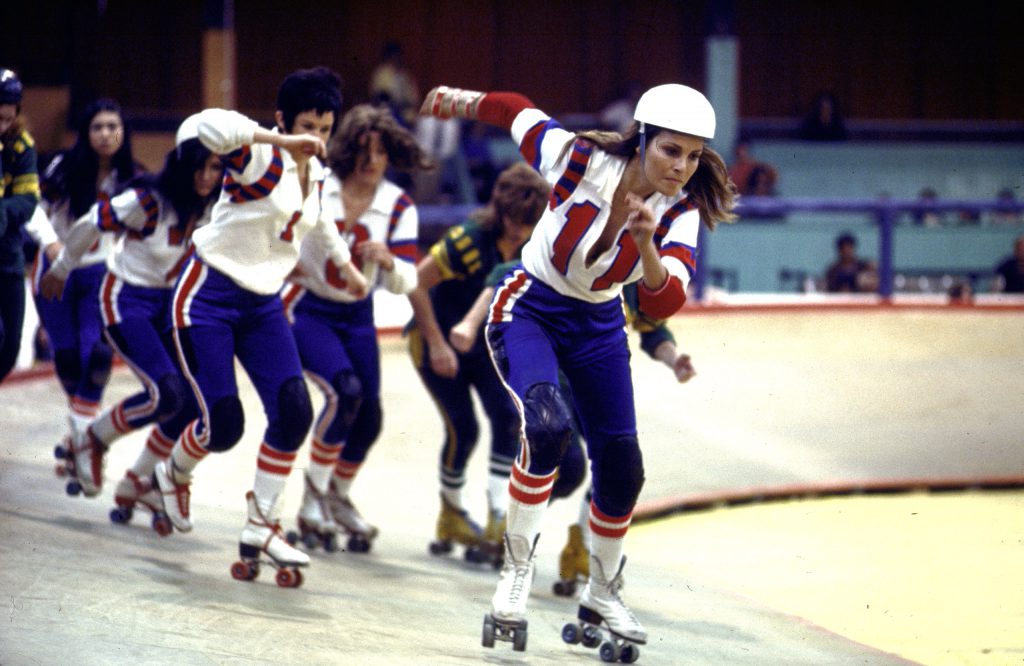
[(745, 167), (824, 122), (1008, 215), (925, 216), (849, 273), (1010, 273), (961, 293)]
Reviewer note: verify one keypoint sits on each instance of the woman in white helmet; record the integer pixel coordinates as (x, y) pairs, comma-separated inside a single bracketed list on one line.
[(624, 208), (153, 220)]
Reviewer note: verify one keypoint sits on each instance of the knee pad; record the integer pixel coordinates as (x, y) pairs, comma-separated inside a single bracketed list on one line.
[(367, 425), (548, 424), (295, 413), (350, 396), (227, 423), (571, 471), (618, 476), (68, 368), (173, 396), (101, 357)]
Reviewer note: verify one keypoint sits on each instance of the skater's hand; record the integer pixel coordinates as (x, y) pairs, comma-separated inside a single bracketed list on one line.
[(51, 287), (443, 360), (53, 250), (684, 368), (463, 336), (303, 145), (376, 252), (640, 222), (355, 283)]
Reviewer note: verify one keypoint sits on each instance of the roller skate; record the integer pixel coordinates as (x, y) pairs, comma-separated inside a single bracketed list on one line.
[(316, 524), (493, 548), (507, 619), (455, 526), (131, 491), (174, 495), (360, 533), (602, 607), (263, 542), (573, 564), (83, 459)]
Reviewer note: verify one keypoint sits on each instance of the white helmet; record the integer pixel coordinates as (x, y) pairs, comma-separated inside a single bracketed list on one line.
[(187, 130), (678, 108)]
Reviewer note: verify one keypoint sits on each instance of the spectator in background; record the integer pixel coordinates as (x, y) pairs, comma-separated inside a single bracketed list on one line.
[(849, 273), (392, 84), (926, 215), (749, 174), (961, 293), (1010, 273), (1008, 215), (824, 122)]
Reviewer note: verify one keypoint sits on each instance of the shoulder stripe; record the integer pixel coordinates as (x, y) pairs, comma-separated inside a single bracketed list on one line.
[(262, 188), (573, 174)]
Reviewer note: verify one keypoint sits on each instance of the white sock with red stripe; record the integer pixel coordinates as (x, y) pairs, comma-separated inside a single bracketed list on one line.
[(187, 453), (272, 470), (322, 459), (607, 536), (110, 425), (528, 499), (344, 474), (158, 447)]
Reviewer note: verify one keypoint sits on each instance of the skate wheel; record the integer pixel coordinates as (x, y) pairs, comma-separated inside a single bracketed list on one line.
[(288, 578), (519, 638), (571, 634), (358, 544), (292, 537), (488, 636), (564, 588), (73, 488), (330, 543), (121, 515), (59, 452), (162, 525), (310, 540), (475, 555), (244, 570), (591, 637), (609, 651), (440, 547), (630, 653)]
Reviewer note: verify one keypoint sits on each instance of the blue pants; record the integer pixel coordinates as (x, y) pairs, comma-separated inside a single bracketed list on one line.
[(542, 332), (81, 356), (12, 317), (138, 326), (215, 320)]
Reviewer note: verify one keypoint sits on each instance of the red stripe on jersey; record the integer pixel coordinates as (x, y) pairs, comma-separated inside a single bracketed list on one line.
[(405, 250), (107, 300), (529, 147), (574, 170), (623, 265), (506, 293), (261, 188), (402, 203), (682, 253), (237, 160), (171, 275), (107, 219)]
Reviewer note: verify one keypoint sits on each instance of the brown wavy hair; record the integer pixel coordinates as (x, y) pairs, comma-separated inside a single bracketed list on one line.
[(519, 193), (345, 147), (710, 187)]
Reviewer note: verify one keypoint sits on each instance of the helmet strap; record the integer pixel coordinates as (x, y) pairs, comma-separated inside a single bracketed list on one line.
[(643, 144)]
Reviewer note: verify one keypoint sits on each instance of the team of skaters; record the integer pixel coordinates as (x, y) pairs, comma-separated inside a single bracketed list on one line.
[(265, 245)]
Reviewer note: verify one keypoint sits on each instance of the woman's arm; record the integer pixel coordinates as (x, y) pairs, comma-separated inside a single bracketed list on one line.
[(443, 359)]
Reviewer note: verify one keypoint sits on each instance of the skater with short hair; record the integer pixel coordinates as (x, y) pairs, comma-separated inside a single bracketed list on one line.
[(625, 208), (153, 220), (334, 330), (227, 304)]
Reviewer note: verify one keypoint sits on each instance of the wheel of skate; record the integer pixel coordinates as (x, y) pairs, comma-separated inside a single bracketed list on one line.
[(292, 537), (162, 525), (564, 588), (73, 487), (591, 637), (288, 577), (630, 653), (358, 544), (609, 651), (59, 452), (519, 638), (330, 543), (121, 515), (310, 540), (571, 634), (440, 547), (244, 570), (475, 555), (488, 636)]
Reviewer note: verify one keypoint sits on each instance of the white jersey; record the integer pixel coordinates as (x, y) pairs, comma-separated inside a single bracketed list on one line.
[(52, 221), (391, 218), (261, 217), (151, 249), (584, 181)]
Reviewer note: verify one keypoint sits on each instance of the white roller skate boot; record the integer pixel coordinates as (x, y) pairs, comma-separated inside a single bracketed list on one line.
[(85, 458), (360, 533), (133, 490), (602, 607), (316, 524), (174, 495), (263, 541), (507, 619)]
